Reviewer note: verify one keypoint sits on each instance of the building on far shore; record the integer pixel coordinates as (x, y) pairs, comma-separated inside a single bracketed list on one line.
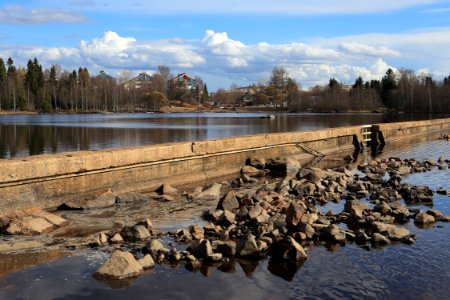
[(185, 81), (105, 76), (142, 81)]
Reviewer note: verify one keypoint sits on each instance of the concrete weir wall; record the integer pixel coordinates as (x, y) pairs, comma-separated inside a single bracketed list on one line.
[(49, 180)]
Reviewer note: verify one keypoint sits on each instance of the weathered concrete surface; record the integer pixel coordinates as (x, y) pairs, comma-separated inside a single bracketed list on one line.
[(49, 180)]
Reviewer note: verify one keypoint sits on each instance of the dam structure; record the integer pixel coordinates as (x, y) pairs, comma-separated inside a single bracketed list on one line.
[(46, 181)]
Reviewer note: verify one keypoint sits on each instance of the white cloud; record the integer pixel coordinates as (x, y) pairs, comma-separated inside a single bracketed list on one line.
[(360, 49), (217, 55), (16, 14)]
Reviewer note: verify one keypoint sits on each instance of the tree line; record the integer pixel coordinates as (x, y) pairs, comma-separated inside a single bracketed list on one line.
[(34, 88), (48, 90), (398, 91)]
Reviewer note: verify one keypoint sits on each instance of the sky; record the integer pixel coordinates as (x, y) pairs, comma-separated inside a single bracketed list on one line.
[(232, 41)]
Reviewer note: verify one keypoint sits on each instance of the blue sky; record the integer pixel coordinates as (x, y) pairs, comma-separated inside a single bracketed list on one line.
[(232, 41)]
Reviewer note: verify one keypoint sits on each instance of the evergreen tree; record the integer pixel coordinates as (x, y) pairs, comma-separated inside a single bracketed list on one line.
[(332, 83), (205, 94), (359, 83), (388, 87), (11, 79), (2, 82), (53, 81)]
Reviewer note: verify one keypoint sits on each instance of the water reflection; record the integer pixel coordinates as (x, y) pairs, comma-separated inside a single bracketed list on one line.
[(23, 135)]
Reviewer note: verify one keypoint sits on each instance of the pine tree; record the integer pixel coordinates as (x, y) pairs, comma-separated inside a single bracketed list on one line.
[(205, 94), (11, 79), (2, 81), (388, 87), (53, 82)]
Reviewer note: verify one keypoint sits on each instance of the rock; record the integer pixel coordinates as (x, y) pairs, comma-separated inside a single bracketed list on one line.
[(118, 226), (166, 189), (442, 191), (147, 223), (30, 226), (103, 238), (250, 171), (227, 218), (106, 199), (435, 213), (119, 266), (73, 205), (288, 249), (116, 239), (383, 208), (378, 238), (215, 257), (333, 233), (294, 214), (393, 232), (307, 229), (423, 218), (257, 162), (247, 246), (147, 262), (52, 218), (255, 211), (135, 233), (212, 192), (399, 211), (227, 249), (197, 232), (153, 247), (193, 265), (204, 249), (228, 202), (131, 197), (355, 208), (283, 165)]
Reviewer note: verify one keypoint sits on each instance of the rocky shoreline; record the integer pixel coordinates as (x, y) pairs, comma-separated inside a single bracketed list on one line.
[(270, 210)]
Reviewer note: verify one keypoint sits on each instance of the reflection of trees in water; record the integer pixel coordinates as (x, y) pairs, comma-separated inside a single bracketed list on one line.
[(23, 140)]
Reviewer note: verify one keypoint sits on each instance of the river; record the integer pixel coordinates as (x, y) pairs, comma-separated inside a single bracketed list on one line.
[(23, 135), (399, 271)]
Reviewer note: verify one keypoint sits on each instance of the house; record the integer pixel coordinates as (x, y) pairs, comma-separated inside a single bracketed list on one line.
[(184, 80), (105, 76), (143, 80)]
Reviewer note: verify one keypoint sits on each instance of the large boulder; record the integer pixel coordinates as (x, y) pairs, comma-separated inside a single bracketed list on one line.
[(135, 233), (227, 249), (355, 208), (119, 266), (294, 214), (391, 231), (107, 199), (210, 193), (247, 246), (52, 218), (30, 226), (288, 249), (166, 189), (228, 202), (424, 218), (283, 165)]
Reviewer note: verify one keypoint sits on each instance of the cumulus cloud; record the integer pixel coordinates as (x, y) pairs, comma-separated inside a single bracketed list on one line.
[(356, 48), (16, 14), (219, 57)]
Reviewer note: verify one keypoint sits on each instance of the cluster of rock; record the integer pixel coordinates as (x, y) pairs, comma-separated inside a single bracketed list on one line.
[(257, 216)]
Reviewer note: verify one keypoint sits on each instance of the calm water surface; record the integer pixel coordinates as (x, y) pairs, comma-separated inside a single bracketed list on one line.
[(23, 135), (418, 271)]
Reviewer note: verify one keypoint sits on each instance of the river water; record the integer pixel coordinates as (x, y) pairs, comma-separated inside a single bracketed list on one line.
[(23, 135), (399, 271)]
